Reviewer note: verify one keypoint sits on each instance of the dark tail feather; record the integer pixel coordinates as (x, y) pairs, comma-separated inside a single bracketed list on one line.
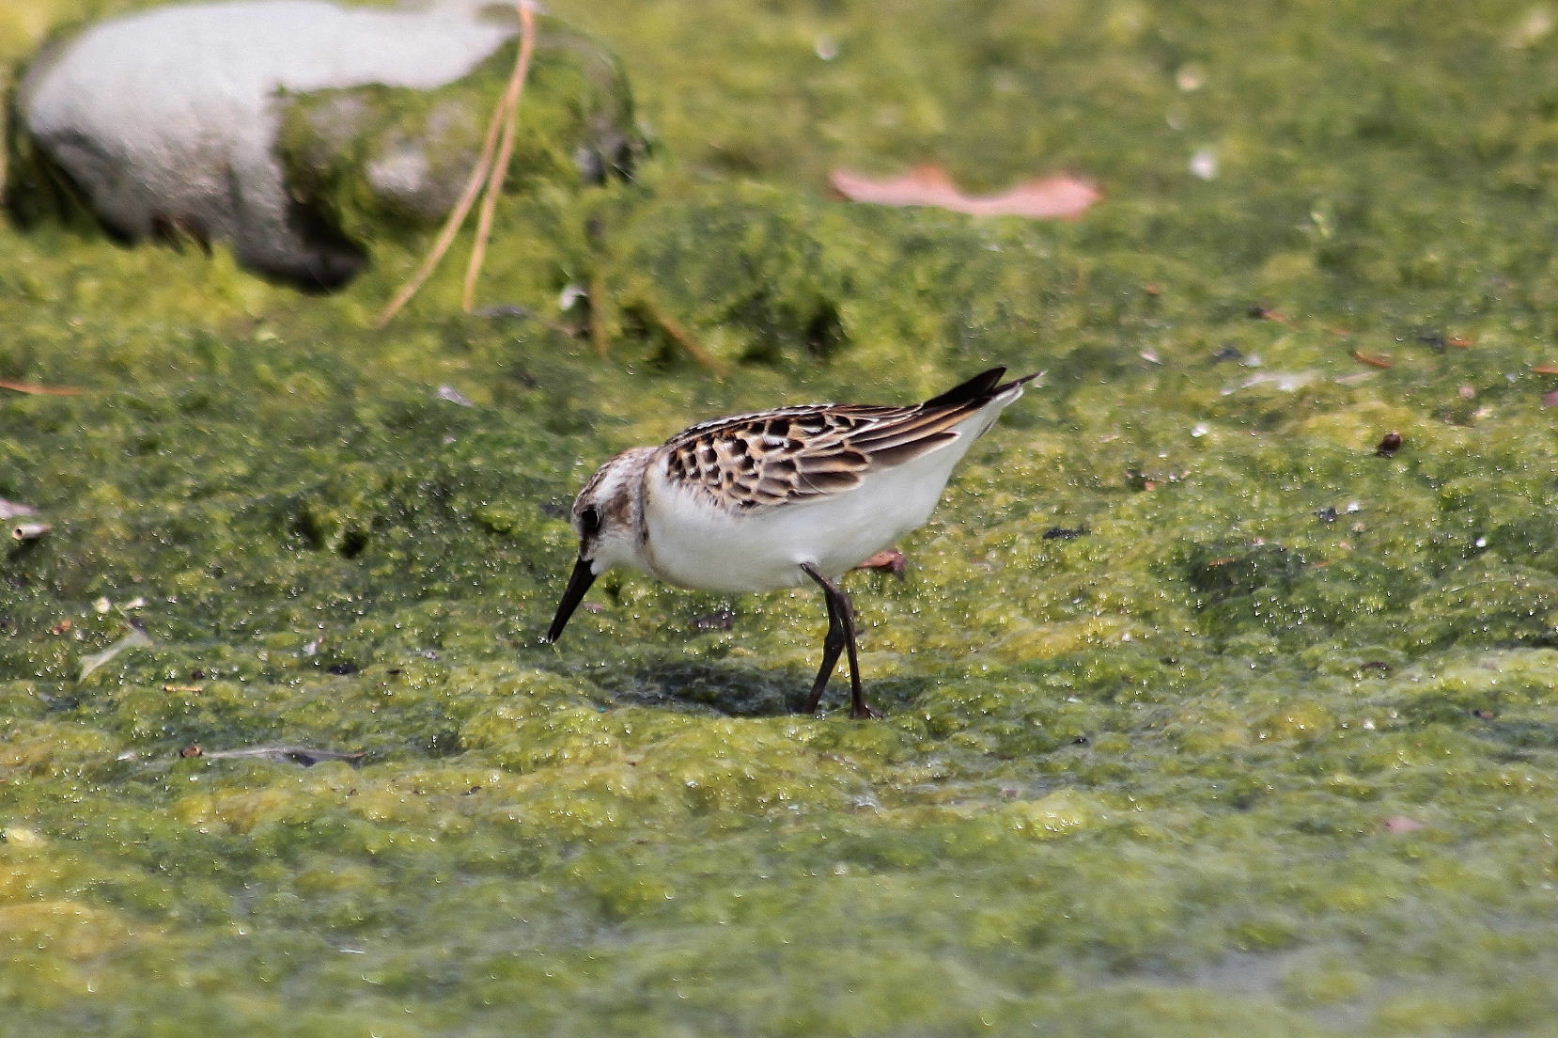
[(978, 389), (998, 390), (981, 385)]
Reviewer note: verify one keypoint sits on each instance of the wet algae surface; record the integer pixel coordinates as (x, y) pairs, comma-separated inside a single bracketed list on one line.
[(1207, 711)]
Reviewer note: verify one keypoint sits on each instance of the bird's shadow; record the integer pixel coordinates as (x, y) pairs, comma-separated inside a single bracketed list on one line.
[(733, 690), (698, 686)]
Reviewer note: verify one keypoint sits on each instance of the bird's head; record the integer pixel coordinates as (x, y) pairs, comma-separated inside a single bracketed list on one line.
[(607, 515)]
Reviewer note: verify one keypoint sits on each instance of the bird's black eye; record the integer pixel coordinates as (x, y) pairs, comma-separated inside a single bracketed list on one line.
[(589, 521)]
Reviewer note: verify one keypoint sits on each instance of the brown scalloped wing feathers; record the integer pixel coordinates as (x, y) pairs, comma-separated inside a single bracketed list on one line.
[(799, 453)]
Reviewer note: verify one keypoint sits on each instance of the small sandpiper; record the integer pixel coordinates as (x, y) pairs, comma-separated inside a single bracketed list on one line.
[(767, 500)]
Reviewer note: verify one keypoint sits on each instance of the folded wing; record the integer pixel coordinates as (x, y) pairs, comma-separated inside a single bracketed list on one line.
[(796, 454)]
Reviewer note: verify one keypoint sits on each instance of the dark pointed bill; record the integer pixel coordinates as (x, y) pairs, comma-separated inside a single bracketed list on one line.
[(583, 576)]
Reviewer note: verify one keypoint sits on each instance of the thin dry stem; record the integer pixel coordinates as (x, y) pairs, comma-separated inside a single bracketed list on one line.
[(682, 337), (499, 171), (480, 174), (37, 390)]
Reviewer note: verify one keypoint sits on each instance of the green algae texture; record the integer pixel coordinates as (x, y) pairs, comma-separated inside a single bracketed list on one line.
[(1206, 712)]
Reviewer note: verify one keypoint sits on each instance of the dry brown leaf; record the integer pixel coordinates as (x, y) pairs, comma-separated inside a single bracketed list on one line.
[(889, 559), (1402, 824), (1373, 360), (1059, 197)]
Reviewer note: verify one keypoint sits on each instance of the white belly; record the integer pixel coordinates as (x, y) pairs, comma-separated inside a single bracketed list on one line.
[(694, 544)]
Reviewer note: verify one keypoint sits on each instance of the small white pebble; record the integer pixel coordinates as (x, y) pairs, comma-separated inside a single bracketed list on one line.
[(1203, 164), (21, 837), (454, 396)]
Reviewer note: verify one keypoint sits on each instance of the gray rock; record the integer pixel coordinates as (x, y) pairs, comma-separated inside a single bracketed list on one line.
[(171, 121)]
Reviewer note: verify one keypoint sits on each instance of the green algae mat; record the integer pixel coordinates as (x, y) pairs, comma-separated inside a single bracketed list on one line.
[(1212, 708)]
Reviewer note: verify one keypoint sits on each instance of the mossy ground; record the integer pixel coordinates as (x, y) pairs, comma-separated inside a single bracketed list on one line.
[(1268, 749)]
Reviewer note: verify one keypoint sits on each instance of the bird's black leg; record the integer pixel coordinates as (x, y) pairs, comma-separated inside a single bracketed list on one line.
[(841, 635), (832, 645)]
